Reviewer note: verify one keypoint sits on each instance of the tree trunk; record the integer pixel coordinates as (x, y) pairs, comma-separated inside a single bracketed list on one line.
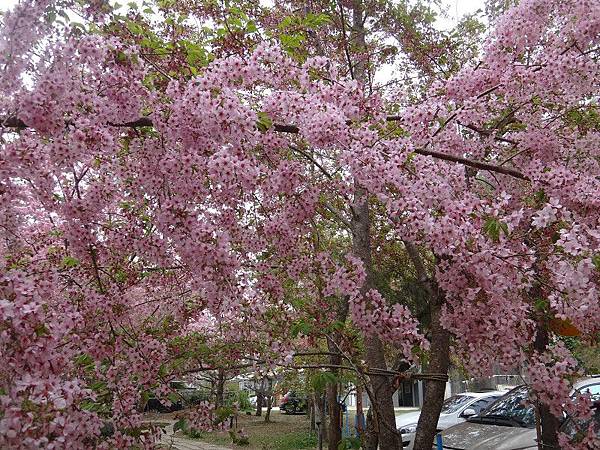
[(269, 400), (335, 430), (220, 396), (321, 414), (259, 403), (434, 390), (335, 359), (385, 434), (335, 426), (384, 423), (311, 413), (439, 356), (549, 422), (382, 403), (370, 437), (359, 411)]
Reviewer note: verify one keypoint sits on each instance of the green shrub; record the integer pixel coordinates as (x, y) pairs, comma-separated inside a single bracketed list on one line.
[(238, 437), (243, 400)]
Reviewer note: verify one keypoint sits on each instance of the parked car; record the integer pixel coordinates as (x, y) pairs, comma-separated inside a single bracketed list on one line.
[(573, 427), (185, 395), (253, 399), (292, 403), (508, 423), (455, 410)]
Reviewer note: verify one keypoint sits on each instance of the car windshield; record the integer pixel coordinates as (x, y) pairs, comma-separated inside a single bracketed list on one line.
[(512, 408), (453, 404), (179, 385), (576, 428)]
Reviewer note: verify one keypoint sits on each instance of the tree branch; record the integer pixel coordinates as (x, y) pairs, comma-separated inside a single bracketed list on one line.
[(14, 122)]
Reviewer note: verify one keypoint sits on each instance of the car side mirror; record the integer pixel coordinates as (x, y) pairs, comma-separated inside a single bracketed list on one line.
[(468, 412)]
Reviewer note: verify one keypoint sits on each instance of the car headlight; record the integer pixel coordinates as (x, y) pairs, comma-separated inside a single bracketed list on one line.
[(411, 428)]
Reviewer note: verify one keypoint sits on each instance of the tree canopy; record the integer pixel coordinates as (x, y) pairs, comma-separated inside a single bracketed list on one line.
[(191, 185)]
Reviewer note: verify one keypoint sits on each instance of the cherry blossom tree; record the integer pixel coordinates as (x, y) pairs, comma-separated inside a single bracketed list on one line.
[(166, 187)]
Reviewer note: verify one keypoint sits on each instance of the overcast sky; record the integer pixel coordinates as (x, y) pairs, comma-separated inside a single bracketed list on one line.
[(456, 8)]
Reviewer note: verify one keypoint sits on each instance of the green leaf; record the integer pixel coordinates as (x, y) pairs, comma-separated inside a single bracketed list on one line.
[(596, 261), (179, 425), (195, 54), (291, 41), (98, 386), (264, 122), (145, 397), (235, 22), (134, 28), (286, 22), (69, 262), (120, 276), (315, 20), (126, 206), (338, 325), (251, 27), (349, 443), (540, 197), (541, 304), (300, 327), (50, 17), (162, 370), (492, 228), (223, 413), (89, 405), (41, 330), (83, 360), (322, 379), (55, 233)]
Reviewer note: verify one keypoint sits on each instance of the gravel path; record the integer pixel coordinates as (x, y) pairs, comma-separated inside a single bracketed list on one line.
[(176, 442)]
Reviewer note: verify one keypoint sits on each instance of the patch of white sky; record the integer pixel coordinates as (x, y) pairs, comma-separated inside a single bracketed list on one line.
[(449, 13)]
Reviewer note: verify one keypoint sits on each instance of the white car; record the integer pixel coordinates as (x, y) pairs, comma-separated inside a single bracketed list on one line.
[(509, 423), (455, 410)]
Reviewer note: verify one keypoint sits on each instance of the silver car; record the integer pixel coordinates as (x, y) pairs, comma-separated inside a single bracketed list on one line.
[(455, 409), (507, 424)]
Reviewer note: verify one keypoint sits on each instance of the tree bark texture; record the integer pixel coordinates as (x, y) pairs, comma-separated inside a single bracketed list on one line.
[(220, 395), (382, 429), (434, 390), (259, 403), (439, 360), (384, 433), (549, 422), (269, 400), (335, 427)]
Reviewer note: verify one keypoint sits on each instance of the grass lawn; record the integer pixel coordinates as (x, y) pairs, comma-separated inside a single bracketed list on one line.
[(282, 433)]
